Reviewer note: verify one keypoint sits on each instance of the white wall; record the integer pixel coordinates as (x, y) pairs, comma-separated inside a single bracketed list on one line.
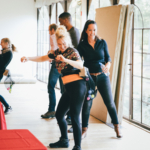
[(18, 22)]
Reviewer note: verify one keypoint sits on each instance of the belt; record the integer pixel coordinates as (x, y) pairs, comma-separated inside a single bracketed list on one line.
[(95, 74)]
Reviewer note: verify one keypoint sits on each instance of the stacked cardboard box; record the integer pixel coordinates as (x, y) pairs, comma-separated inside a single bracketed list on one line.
[(114, 26)]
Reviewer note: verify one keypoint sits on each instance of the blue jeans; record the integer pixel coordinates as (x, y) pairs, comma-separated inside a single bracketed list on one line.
[(103, 85), (53, 77), (3, 101), (86, 111)]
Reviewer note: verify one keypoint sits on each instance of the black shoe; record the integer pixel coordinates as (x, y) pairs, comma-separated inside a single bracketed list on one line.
[(62, 143), (70, 130), (49, 114), (8, 109), (69, 121), (76, 148)]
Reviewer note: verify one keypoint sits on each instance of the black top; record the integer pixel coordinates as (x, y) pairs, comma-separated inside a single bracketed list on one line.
[(92, 57), (5, 59), (75, 36), (63, 67)]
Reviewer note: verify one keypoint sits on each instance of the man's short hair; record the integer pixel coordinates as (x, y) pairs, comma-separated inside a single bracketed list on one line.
[(53, 26), (65, 15)]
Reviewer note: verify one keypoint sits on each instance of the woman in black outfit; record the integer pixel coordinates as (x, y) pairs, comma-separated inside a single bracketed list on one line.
[(68, 63), (95, 52), (5, 58)]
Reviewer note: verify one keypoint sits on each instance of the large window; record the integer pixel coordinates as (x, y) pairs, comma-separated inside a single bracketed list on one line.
[(43, 42), (137, 103), (141, 63)]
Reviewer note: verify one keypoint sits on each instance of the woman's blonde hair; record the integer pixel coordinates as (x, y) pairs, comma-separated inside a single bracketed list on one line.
[(62, 32), (6, 40)]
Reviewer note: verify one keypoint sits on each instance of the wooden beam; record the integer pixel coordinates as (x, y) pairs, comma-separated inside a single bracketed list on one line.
[(50, 13), (87, 8), (65, 5), (56, 13), (115, 2), (132, 1)]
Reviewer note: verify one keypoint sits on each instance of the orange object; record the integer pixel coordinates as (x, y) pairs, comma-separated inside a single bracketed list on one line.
[(71, 78)]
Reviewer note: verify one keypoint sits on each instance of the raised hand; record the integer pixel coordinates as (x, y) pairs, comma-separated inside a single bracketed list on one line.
[(24, 59)]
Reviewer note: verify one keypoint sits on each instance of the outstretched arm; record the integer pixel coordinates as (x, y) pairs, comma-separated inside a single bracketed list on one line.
[(35, 59)]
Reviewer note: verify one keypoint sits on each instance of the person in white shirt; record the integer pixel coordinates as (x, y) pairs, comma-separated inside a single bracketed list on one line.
[(53, 76)]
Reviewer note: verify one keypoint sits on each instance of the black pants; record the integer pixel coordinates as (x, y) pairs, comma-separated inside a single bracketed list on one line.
[(72, 99), (86, 112)]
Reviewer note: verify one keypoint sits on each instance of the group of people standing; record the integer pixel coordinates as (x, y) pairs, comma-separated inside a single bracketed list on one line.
[(67, 49)]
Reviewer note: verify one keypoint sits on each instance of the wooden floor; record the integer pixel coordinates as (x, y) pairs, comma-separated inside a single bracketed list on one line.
[(29, 101)]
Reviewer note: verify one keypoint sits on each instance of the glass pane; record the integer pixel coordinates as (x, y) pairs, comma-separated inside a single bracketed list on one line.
[(105, 3), (146, 66), (43, 42), (92, 11), (75, 11), (46, 17), (78, 17), (146, 114), (137, 110), (72, 11), (126, 107), (136, 88), (137, 18), (146, 42), (60, 10), (124, 2), (137, 64), (53, 18), (137, 40), (144, 6), (146, 90)]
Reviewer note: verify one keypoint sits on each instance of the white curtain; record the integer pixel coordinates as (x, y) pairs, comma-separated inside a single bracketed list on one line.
[(40, 3)]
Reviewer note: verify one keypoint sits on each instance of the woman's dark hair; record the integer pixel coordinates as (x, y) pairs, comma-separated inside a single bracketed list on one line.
[(84, 34)]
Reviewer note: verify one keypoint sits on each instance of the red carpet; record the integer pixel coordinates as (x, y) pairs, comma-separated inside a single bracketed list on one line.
[(19, 140), (2, 119)]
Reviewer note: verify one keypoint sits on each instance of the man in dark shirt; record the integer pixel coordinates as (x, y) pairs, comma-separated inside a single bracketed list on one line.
[(66, 20)]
